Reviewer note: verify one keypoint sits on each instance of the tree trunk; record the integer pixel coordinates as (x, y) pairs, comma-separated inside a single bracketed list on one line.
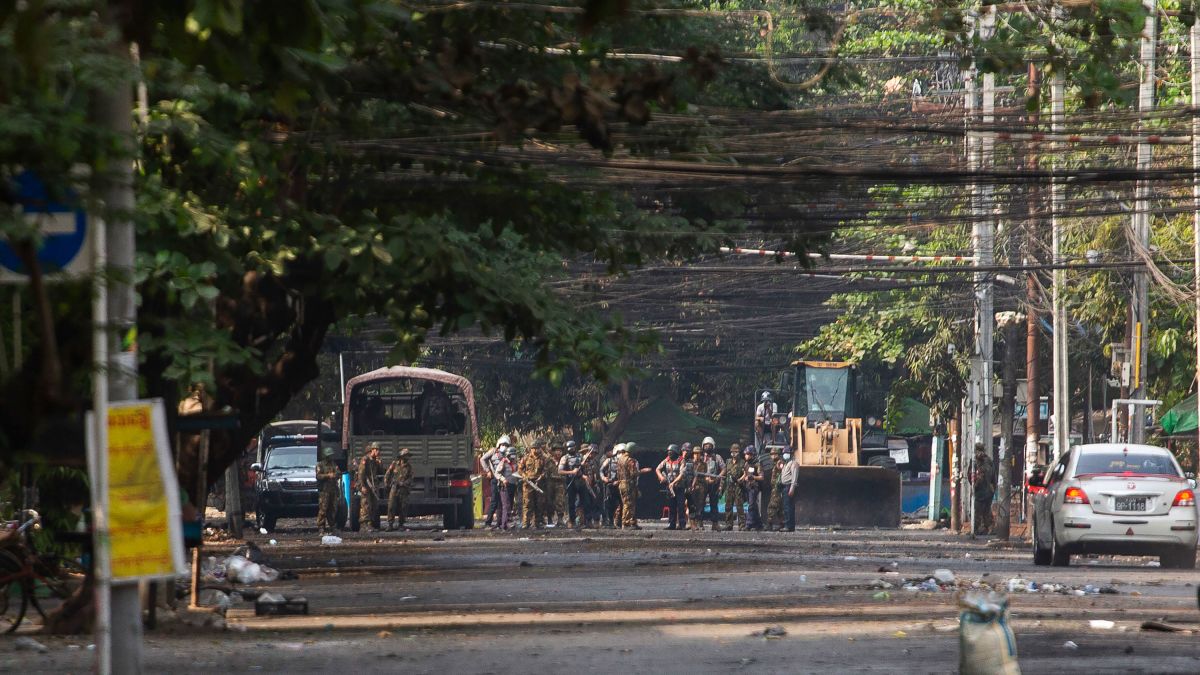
[(625, 410), (1008, 401)]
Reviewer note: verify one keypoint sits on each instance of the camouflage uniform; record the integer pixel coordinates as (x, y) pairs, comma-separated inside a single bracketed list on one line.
[(775, 505), (627, 479), (399, 480), (555, 499), (327, 481), (984, 484), (697, 493), (531, 467), (735, 494), (369, 472)]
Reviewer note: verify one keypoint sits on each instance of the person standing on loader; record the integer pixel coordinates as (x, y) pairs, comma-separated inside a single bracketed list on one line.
[(327, 484), (370, 473), (399, 481)]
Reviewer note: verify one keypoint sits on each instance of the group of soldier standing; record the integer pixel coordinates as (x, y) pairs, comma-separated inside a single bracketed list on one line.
[(374, 484), (566, 484)]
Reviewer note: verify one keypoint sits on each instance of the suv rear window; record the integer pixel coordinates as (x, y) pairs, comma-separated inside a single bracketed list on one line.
[(1125, 462)]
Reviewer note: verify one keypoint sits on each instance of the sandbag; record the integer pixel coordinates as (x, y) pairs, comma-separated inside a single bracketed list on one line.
[(986, 642)]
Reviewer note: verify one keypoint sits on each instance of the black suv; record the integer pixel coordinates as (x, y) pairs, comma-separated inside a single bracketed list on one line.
[(286, 485)]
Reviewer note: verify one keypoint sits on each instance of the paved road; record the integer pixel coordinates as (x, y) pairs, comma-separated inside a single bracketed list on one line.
[(671, 602)]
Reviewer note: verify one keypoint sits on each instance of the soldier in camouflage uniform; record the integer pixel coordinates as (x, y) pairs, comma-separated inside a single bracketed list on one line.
[(370, 471), (735, 494), (555, 499), (697, 490), (327, 484), (775, 505), (399, 481), (531, 467), (627, 482)]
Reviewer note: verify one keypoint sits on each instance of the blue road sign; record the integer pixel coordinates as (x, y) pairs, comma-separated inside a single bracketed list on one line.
[(63, 228)]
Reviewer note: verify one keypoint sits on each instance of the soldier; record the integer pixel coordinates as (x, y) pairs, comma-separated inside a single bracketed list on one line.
[(327, 483), (399, 480), (369, 471), (531, 468), (570, 467), (788, 477), (506, 466), (735, 494), (716, 465), (488, 464), (628, 472), (697, 490), (984, 485), (667, 471), (590, 475), (752, 480), (612, 495), (775, 503), (556, 498)]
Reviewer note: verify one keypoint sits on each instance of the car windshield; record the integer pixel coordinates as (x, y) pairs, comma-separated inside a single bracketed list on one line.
[(293, 458), (1126, 463)]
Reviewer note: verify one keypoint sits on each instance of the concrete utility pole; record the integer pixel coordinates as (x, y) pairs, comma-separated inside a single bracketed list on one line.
[(1195, 62), (1032, 402), (1062, 383), (114, 110), (985, 233), (1141, 229), (970, 431)]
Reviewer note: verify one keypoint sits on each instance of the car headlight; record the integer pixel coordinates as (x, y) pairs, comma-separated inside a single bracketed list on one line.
[(272, 485)]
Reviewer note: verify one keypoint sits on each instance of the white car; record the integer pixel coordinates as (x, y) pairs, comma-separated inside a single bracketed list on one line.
[(1114, 498)]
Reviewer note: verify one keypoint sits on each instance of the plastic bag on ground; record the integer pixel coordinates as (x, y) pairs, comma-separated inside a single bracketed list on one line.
[(243, 571), (211, 597), (330, 540), (251, 552), (986, 642)]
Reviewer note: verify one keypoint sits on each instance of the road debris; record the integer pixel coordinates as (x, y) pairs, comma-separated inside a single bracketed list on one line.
[(1070, 644), (943, 576), (771, 632), (986, 641), (1103, 624), (1164, 627), (28, 644), (330, 540), (243, 570)]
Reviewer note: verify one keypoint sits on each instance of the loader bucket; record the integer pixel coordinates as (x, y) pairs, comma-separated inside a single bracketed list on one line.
[(851, 496)]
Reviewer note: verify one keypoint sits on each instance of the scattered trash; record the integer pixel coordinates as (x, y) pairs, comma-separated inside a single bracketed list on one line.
[(1163, 626), (851, 558), (24, 643), (273, 542), (1154, 563), (803, 578), (1102, 624), (211, 597), (1091, 590), (772, 632), (262, 530), (330, 540), (1070, 644), (900, 634), (943, 576), (1016, 585), (882, 595), (212, 569), (929, 586), (241, 569), (384, 634), (250, 552), (407, 598), (986, 641), (275, 604)]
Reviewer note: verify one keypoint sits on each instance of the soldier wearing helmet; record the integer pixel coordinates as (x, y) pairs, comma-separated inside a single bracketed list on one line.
[(555, 499), (752, 480), (570, 467), (668, 471), (735, 493), (716, 466), (327, 485), (399, 481), (370, 484), (697, 489), (611, 514)]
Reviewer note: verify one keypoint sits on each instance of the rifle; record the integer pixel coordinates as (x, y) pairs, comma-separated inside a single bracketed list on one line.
[(530, 483)]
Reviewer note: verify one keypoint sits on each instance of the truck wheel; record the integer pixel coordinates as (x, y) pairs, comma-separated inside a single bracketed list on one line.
[(355, 505), (466, 513), (450, 518), (339, 517)]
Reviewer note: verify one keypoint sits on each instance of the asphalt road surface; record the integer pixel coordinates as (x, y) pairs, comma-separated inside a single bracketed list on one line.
[(665, 602)]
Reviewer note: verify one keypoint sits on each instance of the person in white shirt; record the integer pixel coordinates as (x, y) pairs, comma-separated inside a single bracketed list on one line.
[(764, 417)]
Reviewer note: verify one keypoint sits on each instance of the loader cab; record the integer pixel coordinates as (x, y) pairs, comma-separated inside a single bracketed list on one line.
[(825, 390)]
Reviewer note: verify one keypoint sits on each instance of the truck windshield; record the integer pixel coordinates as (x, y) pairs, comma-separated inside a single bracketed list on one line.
[(826, 389), (1125, 462), (292, 458)]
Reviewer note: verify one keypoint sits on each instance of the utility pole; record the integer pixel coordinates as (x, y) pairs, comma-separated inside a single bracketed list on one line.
[(114, 111), (1032, 399), (1062, 382), (1195, 63), (985, 242), (971, 417), (1141, 228)]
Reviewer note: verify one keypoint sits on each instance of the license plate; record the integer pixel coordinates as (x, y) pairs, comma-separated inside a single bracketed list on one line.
[(1130, 503)]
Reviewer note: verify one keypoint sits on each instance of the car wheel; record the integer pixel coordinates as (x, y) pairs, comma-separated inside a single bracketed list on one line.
[(466, 513), (1180, 559), (1058, 557), (1041, 555), (268, 522)]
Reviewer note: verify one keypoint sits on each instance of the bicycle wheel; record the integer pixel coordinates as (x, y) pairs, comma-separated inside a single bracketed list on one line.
[(14, 592), (60, 577)]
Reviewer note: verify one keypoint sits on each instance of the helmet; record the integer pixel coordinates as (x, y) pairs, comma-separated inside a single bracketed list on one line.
[(687, 447), (510, 451), (708, 440), (672, 449), (695, 450), (766, 396), (327, 451), (571, 445), (620, 447), (748, 450), (504, 440), (403, 452), (372, 446), (630, 446)]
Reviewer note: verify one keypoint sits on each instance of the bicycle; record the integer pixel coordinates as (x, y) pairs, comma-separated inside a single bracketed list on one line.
[(24, 571)]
